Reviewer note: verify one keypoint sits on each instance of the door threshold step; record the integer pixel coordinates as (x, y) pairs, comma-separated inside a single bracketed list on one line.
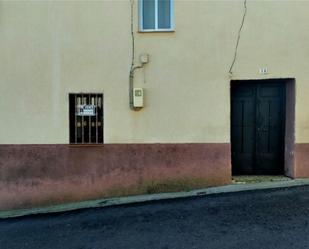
[(247, 179)]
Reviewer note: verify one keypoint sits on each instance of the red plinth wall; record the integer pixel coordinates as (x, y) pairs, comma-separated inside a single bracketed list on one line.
[(40, 175), (301, 164)]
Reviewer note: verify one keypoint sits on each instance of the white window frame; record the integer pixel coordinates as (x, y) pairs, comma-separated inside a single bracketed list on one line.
[(156, 29)]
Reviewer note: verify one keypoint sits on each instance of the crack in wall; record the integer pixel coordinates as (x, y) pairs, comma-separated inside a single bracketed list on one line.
[(238, 38)]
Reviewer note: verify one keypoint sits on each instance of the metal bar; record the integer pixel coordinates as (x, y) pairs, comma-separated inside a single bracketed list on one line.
[(89, 123), (93, 118), (96, 119), (102, 126), (82, 102), (75, 120)]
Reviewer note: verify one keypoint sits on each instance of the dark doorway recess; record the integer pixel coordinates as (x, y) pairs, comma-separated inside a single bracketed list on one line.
[(258, 120)]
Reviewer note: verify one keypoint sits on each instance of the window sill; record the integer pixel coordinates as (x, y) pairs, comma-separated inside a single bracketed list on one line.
[(85, 145), (157, 31)]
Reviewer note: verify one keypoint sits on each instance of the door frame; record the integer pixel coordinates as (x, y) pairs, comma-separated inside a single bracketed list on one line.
[(289, 120)]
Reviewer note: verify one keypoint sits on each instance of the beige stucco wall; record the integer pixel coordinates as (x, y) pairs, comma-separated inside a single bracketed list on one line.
[(50, 49)]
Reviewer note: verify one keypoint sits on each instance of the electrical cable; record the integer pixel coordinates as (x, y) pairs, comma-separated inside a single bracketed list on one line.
[(238, 37)]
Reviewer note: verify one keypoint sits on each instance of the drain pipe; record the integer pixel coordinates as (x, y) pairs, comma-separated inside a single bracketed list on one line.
[(133, 67), (144, 59)]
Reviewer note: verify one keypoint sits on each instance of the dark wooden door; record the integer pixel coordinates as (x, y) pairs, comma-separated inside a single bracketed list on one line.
[(257, 127)]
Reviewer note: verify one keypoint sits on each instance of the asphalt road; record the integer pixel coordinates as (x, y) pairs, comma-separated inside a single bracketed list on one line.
[(262, 219)]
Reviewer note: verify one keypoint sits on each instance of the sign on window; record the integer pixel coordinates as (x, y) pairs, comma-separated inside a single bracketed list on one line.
[(86, 110)]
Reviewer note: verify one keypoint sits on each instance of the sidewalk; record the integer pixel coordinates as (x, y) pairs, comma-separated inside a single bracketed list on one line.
[(239, 184)]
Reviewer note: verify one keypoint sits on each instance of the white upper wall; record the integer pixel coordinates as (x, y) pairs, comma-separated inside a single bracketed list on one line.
[(50, 49)]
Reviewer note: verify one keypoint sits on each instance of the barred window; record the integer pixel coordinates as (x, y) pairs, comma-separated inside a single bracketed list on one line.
[(86, 118)]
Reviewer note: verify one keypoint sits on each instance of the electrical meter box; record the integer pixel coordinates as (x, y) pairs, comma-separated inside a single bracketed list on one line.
[(138, 97)]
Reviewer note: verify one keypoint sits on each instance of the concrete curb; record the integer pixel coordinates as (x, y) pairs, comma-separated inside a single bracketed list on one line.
[(153, 197)]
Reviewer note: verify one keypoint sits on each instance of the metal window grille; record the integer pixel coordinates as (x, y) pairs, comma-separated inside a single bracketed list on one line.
[(86, 118)]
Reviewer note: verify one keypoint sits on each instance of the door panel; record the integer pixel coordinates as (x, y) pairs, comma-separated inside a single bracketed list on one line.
[(257, 117), (243, 128), (269, 139)]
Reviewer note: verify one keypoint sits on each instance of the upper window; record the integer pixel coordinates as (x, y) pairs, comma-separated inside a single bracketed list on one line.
[(156, 15)]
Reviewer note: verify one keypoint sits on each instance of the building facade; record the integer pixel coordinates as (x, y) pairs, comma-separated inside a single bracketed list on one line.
[(223, 87)]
